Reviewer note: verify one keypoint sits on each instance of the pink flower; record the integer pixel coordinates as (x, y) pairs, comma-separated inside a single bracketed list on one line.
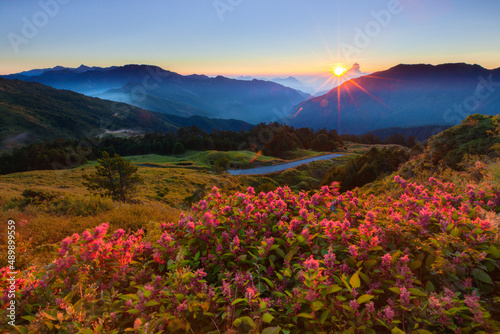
[(311, 263), (249, 208), (386, 260), (87, 236), (250, 293), (330, 259), (182, 307), (405, 296), (389, 313), (118, 233), (65, 246), (370, 307), (100, 231), (250, 191), (353, 251), (203, 205)]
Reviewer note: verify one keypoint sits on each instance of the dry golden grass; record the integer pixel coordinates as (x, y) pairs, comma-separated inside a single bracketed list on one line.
[(42, 225)]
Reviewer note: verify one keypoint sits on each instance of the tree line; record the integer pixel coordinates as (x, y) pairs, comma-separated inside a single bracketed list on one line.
[(271, 139)]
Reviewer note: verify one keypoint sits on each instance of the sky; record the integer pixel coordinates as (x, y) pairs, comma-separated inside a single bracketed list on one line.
[(248, 37)]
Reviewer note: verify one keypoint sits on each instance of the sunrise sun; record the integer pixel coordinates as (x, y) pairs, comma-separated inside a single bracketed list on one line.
[(338, 71)]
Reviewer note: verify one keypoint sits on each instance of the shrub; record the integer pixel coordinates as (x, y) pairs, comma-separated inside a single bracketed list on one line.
[(424, 260)]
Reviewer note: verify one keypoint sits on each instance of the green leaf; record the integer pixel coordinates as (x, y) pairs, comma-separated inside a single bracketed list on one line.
[(239, 300), (364, 298), (30, 318), (333, 289), (396, 330), (271, 330), (364, 277), (248, 321), (237, 322), (494, 251), (429, 287), (151, 303), (456, 232), (395, 289), (289, 256), (354, 281), (368, 264), (324, 316), (267, 318), (421, 331), (48, 324), (305, 315), (317, 305), (133, 311), (482, 276), (86, 331), (417, 292), (415, 264), (49, 316), (271, 285), (280, 252), (21, 329)]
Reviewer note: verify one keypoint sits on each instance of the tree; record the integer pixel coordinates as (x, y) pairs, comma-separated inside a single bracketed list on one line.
[(178, 149), (115, 176)]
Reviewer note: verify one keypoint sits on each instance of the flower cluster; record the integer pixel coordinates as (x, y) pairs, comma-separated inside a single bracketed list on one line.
[(424, 258)]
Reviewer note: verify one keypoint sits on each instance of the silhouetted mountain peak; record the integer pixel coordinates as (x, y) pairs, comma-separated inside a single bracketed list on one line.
[(404, 95)]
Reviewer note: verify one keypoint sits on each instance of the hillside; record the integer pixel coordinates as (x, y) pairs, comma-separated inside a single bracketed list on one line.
[(155, 89), (418, 255), (404, 96), (32, 112)]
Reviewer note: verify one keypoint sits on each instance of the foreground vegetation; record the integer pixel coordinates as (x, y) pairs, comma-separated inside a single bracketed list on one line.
[(282, 262), (413, 252)]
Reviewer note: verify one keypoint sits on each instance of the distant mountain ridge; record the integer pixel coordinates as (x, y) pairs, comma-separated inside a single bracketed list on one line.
[(164, 91), (403, 96), (32, 112)]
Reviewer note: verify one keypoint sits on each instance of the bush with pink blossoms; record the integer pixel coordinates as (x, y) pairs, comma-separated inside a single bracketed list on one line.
[(425, 260)]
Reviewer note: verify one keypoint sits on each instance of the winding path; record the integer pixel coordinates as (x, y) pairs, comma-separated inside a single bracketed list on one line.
[(280, 167)]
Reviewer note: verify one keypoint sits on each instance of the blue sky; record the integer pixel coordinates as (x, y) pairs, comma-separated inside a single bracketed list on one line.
[(248, 37)]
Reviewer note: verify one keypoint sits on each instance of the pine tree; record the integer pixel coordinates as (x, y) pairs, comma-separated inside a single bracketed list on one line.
[(115, 176)]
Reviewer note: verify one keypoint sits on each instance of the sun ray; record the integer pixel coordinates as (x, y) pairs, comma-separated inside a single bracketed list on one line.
[(370, 94)]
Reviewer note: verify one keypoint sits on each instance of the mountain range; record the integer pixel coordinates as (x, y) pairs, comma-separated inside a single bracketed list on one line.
[(155, 89), (32, 112), (403, 96)]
